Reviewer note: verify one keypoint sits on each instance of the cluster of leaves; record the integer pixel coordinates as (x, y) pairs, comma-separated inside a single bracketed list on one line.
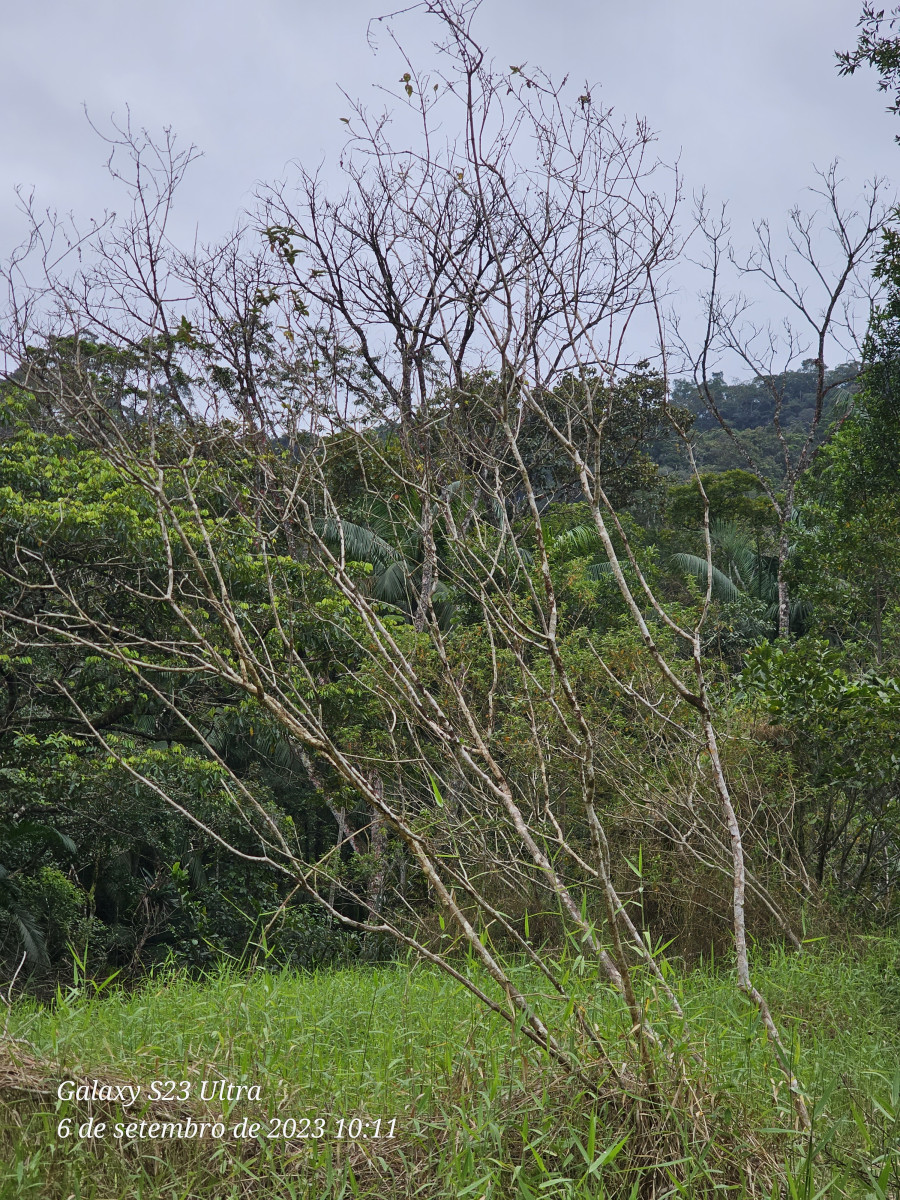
[(846, 730), (93, 861)]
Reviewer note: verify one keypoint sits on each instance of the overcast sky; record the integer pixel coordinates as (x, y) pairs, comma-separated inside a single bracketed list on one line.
[(747, 93)]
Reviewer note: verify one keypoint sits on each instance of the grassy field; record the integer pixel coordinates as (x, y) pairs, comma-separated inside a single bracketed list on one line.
[(474, 1114)]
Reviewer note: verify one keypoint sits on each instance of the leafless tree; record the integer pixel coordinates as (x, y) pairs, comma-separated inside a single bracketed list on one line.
[(457, 296), (822, 279)]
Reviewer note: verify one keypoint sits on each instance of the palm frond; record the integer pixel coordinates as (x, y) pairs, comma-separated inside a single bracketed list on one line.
[(24, 830), (599, 570), (360, 544), (723, 587), (799, 611), (392, 583), (31, 934), (578, 541)]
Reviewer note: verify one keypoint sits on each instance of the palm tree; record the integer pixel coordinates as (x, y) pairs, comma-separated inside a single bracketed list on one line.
[(740, 568), (744, 570), (394, 548)]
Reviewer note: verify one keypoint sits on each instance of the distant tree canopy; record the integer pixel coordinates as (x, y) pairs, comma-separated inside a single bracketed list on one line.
[(733, 495), (750, 407)]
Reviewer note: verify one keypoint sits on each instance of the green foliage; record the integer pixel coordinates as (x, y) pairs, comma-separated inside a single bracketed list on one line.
[(846, 738), (56, 902), (748, 407), (848, 545), (637, 417), (733, 496), (148, 880), (876, 48)]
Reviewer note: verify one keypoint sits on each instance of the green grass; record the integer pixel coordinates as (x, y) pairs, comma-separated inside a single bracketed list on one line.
[(477, 1114)]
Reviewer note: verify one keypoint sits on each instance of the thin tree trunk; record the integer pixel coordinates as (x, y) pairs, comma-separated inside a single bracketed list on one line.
[(784, 599), (739, 925), (378, 852), (429, 568)]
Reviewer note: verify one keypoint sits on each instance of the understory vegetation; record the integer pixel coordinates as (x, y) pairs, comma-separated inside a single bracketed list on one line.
[(476, 1113)]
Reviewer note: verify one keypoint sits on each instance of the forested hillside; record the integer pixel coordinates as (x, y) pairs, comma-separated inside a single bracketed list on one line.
[(370, 605), (134, 883)]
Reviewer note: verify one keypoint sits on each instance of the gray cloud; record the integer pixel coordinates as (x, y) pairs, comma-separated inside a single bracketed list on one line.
[(747, 94)]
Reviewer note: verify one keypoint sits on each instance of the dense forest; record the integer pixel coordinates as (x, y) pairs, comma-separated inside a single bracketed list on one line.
[(141, 882), (372, 605)]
